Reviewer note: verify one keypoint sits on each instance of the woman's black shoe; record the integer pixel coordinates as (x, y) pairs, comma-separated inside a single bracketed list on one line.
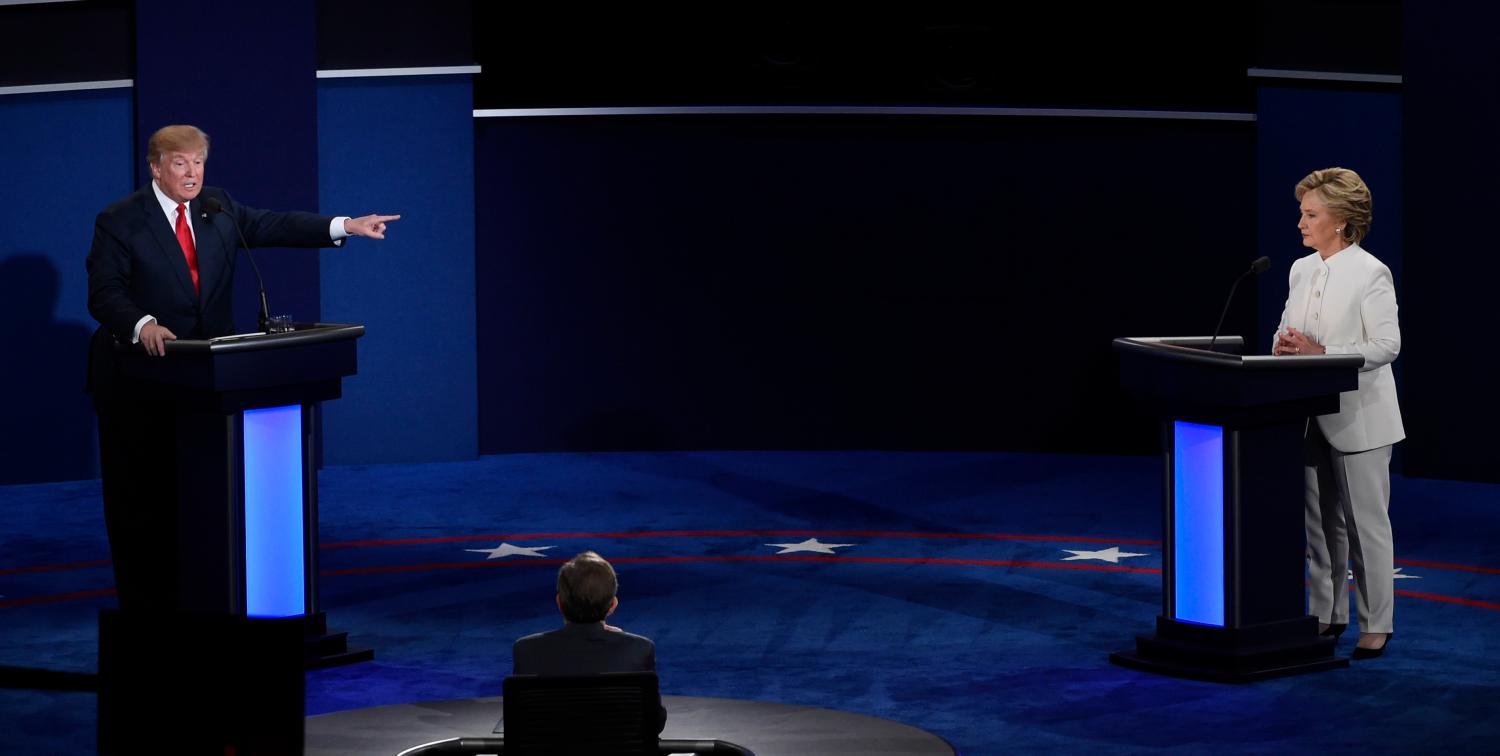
[(1335, 630), (1371, 653)]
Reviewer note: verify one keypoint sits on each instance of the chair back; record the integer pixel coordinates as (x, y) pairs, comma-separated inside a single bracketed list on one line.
[(615, 713)]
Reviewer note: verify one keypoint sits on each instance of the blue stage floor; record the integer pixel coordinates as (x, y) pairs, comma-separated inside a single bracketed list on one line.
[(975, 596)]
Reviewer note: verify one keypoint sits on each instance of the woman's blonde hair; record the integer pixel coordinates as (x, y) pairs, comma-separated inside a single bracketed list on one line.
[(1346, 196)]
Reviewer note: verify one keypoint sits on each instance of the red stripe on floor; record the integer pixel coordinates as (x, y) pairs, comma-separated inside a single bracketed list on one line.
[(1446, 566), (29, 600), (56, 597), (740, 534), (751, 558), (54, 567), (1448, 599)]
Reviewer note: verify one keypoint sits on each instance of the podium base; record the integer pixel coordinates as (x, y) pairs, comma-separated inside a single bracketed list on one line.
[(1222, 654), (230, 683), (322, 649)]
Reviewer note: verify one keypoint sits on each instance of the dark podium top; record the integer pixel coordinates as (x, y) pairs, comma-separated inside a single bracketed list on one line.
[(250, 370), (1178, 377)]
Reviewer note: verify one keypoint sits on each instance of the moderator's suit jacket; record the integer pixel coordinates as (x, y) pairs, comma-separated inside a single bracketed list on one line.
[(1347, 303), (585, 648), (136, 267)]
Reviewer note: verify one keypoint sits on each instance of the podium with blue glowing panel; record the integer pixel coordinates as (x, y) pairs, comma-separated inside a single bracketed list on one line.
[(245, 472), (1233, 546)]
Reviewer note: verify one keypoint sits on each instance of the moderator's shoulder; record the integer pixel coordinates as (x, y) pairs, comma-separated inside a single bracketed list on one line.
[(528, 640), (639, 640)]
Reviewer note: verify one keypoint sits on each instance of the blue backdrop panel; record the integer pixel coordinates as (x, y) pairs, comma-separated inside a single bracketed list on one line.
[(402, 145), (250, 81), (66, 156), (1299, 131)]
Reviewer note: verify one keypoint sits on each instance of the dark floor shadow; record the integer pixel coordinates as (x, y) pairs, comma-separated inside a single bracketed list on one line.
[(29, 678), (47, 419)]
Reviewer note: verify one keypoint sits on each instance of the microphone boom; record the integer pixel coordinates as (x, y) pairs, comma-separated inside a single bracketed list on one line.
[(1261, 265)]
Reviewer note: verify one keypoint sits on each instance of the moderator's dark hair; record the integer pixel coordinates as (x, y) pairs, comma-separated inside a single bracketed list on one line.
[(586, 586)]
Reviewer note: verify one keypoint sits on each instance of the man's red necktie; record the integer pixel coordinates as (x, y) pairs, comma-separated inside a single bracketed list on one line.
[(185, 238)]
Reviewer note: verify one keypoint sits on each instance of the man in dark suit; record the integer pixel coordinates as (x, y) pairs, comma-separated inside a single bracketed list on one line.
[(585, 644), (162, 266)]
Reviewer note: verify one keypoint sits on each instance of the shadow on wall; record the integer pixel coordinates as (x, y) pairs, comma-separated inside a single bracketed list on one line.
[(46, 420)]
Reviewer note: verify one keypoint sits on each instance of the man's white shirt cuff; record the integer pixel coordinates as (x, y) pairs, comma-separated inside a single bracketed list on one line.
[(135, 338), (336, 230)]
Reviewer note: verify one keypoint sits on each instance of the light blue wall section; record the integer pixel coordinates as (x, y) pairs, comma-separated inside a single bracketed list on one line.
[(65, 156), (402, 145)]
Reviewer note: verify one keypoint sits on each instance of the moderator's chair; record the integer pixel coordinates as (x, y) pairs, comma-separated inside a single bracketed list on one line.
[(613, 714)]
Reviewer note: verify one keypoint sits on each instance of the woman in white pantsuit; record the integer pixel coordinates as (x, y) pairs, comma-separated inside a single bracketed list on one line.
[(1342, 301)]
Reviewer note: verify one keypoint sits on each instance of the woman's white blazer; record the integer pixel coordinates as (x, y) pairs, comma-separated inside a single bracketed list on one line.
[(1347, 303)]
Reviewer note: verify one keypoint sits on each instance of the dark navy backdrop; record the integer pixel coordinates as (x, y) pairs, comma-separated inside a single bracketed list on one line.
[(844, 281), (211, 65), (1451, 117), (1299, 129)]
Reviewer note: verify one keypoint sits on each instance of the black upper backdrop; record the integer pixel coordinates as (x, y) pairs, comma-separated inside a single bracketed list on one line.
[(1067, 54), (802, 282), (915, 282)]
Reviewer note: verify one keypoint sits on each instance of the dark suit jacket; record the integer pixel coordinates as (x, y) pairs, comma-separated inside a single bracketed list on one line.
[(136, 267), (585, 648)]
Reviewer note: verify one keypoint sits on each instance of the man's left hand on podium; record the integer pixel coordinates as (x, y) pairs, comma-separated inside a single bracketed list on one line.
[(369, 226)]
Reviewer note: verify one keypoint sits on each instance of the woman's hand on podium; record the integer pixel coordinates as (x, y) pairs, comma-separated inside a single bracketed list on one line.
[(1294, 341)]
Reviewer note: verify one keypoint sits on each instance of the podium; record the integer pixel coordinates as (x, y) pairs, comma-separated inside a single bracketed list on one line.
[(245, 470), (1234, 547)]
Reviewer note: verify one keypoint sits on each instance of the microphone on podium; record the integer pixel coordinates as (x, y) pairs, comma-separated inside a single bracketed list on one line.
[(1261, 265), (212, 206)]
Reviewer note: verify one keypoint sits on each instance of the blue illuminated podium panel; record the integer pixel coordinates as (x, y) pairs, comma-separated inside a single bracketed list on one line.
[(274, 527), (1233, 598), (1197, 567)]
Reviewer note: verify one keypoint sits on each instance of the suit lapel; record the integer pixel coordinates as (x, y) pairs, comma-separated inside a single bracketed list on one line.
[(212, 257), (166, 238)]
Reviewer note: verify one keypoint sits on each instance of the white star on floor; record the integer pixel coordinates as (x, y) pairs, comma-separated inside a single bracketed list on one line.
[(1395, 575), (811, 544), (1113, 555), (505, 550)]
